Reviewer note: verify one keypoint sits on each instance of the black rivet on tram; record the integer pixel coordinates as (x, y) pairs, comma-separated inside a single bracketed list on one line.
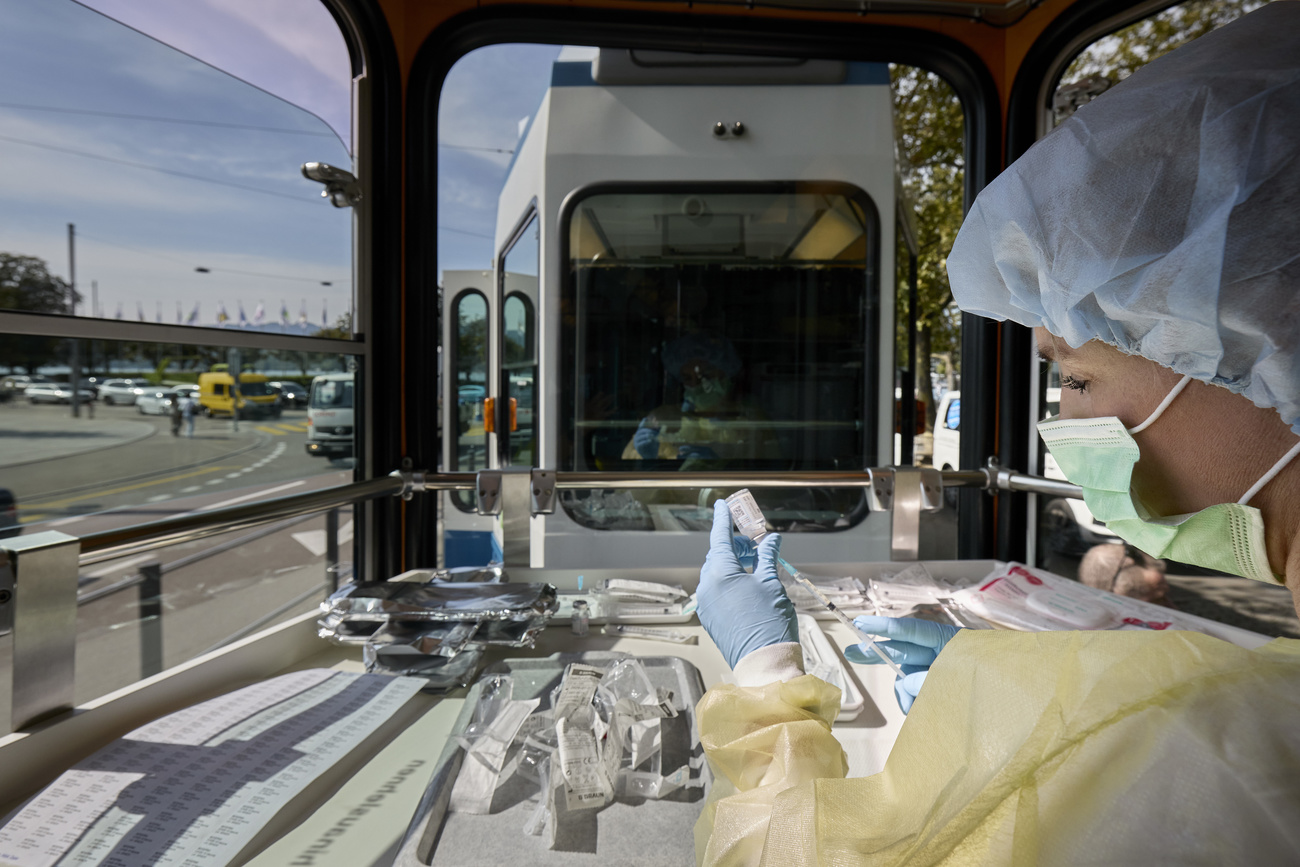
[(737, 128), (719, 129)]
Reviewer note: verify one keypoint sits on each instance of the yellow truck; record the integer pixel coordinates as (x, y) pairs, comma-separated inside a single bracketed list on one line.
[(254, 398)]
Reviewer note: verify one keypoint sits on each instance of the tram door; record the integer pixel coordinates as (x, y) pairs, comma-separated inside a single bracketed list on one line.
[(490, 409)]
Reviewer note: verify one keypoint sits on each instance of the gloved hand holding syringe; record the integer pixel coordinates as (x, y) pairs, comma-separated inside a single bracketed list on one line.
[(749, 520)]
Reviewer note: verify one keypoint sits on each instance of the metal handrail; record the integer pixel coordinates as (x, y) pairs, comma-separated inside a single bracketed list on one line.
[(124, 541), (993, 477)]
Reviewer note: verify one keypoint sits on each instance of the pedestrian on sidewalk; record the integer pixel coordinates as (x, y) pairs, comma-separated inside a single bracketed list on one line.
[(188, 409)]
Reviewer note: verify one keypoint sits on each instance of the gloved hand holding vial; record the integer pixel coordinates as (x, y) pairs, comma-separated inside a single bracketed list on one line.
[(749, 520)]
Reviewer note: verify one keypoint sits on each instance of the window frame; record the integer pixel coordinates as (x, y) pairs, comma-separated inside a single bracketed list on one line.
[(569, 374), (960, 66)]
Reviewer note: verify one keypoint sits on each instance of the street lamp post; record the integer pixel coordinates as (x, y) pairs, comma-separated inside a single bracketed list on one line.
[(74, 360)]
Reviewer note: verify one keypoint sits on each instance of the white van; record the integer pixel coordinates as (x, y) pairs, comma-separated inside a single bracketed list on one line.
[(330, 416)]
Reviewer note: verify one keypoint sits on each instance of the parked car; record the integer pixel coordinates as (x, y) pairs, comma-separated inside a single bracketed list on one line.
[(15, 384), (161, 401), (292, 394), (55, 392), (123, 391)]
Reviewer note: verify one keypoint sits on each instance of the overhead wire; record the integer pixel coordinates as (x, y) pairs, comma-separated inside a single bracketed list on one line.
[(157, 119), (152, 168)]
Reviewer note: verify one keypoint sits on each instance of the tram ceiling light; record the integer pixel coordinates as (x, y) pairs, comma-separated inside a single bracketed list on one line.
[(341, 186)]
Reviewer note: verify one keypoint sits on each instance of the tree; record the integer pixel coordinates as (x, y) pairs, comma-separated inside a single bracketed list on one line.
[(929, 130), (1121, 53), (26, 284)]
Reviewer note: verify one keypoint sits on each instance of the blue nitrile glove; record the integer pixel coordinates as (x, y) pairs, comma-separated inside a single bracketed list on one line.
[(646, 440), (741, 611), (745, 549), (914, 644)]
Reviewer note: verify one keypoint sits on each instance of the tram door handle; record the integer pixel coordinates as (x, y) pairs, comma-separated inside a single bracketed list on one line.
[(490, 415)]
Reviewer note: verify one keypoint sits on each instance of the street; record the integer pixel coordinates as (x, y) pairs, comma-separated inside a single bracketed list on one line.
[(61, 468), (120, 468)]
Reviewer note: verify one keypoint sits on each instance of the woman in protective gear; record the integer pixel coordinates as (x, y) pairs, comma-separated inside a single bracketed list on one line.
[(1152, 241)]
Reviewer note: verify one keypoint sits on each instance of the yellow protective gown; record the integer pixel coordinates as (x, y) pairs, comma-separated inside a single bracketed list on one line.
[(1026, 749)]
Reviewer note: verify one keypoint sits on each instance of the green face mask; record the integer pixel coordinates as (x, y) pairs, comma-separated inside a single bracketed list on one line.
[(1098, 455)]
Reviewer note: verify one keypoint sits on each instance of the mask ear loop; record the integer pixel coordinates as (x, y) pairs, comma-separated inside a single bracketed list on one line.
[(1164, 404), (1269, 476)]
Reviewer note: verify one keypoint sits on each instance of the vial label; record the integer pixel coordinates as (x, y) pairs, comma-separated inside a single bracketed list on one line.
[(745, 512)]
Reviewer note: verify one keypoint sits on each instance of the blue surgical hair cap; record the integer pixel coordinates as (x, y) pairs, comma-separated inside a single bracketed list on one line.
[(1163, 218)]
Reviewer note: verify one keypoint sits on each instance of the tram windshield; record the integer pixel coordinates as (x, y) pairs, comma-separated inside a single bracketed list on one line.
[(721, 330)]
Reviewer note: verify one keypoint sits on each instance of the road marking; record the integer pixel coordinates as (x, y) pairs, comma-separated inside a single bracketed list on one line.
[(158, 498), (232, 475), (51, 504), (214, 482), (191, 489), (280, 430), (120, 565), (251, 496), (314, 540)]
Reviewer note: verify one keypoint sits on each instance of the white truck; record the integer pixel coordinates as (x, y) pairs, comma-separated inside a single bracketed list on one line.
[(330, 422)]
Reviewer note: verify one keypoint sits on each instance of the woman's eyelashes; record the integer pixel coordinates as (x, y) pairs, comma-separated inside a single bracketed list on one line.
[(1074, 383)]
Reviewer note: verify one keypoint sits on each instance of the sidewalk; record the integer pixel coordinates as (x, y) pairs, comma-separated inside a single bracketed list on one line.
[(27, 437)]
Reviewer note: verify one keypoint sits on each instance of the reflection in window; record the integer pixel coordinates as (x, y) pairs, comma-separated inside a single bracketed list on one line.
[(470, 365), (332, 394), (718, 331)]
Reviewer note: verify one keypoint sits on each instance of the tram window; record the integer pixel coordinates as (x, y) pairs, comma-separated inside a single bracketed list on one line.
[(181, 179), (519, 285), (803, 280), (1108, 61), (721, 329), (469, 363)]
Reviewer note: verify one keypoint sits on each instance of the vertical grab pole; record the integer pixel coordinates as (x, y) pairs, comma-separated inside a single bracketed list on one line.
[(332, 549), (151, 652)]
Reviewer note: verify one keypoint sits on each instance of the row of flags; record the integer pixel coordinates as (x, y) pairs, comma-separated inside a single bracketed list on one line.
[(224, 318)]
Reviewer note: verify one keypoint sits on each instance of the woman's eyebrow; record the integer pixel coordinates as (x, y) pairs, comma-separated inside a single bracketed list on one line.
[(1046, 351)]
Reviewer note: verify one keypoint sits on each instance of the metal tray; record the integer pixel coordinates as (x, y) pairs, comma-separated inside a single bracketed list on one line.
[(625, 832)]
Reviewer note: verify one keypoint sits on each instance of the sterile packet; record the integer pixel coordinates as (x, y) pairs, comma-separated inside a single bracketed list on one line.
[(626, 589), (441, 673), (400, 600)]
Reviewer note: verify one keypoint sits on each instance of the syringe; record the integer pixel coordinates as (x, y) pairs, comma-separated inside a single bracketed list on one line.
[(839, 615)]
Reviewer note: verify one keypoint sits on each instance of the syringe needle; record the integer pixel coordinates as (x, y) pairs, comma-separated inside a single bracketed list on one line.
[(839, 615)]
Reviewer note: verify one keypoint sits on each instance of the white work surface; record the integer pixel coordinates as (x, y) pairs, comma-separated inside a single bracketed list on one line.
[(358, 813)]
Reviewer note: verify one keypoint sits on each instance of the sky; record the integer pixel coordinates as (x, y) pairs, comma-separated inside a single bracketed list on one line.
[(166, 164), (172, 135), (486, 101)]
